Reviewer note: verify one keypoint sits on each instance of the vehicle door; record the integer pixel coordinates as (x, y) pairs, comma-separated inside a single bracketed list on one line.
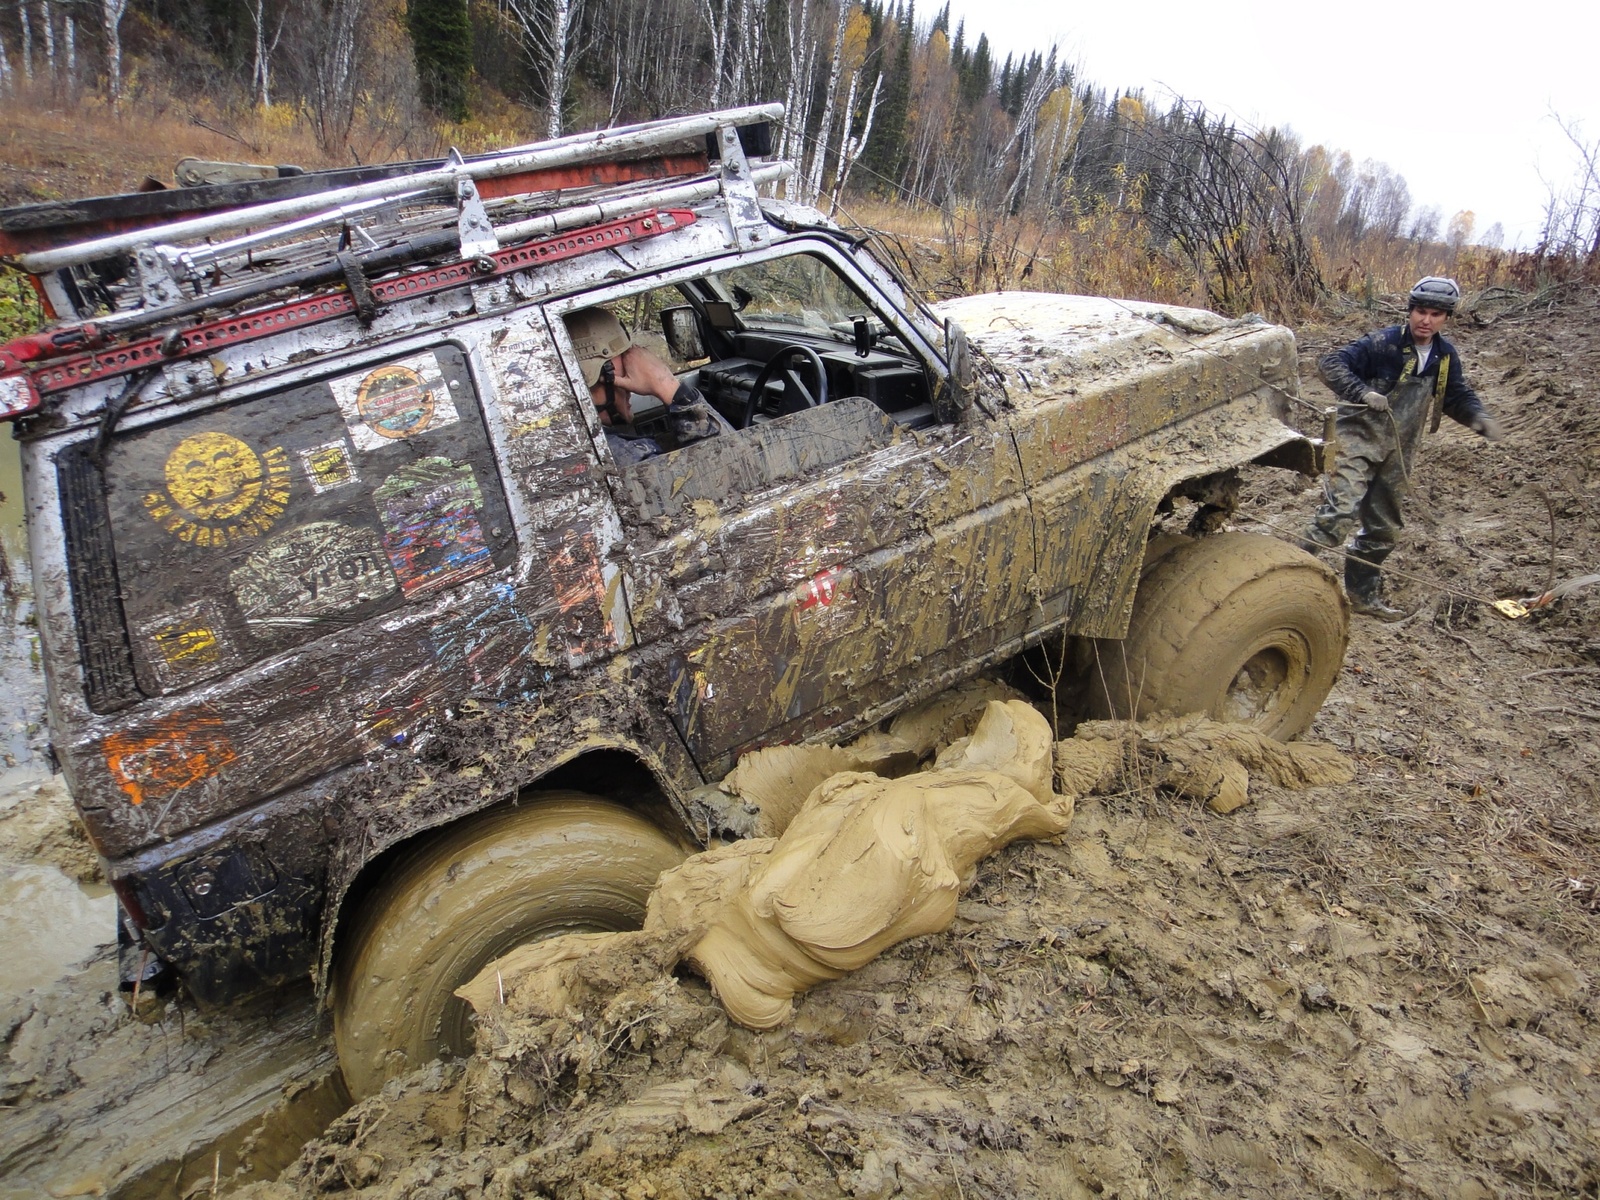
[(813, 572)]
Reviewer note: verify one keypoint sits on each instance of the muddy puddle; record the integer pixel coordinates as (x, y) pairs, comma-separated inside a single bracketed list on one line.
[(98, 1102), (49, 925)]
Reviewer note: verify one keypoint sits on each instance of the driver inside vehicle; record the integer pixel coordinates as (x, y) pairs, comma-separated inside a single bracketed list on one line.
[(617, 371)]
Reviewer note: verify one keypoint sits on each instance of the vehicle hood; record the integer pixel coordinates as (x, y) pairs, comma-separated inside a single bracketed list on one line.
[(1044, 344)]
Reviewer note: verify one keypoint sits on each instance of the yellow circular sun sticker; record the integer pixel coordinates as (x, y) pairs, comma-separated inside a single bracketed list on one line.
[(214, 476), (219, 490), (395, 402)]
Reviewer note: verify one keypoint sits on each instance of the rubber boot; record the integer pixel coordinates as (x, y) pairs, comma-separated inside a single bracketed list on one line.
[(1363, 583), (1311, 542)]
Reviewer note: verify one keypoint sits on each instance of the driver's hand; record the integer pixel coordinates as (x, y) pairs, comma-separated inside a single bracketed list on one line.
[(640, 371)]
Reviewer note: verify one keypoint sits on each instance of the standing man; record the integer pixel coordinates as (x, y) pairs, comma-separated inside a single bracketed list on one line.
[(1388, 384)]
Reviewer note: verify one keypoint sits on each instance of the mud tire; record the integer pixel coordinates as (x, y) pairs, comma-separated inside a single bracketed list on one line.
[(564, 863), (1238, 626)]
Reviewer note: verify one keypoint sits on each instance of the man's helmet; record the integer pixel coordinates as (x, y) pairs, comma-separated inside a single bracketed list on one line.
[(1436, 292), (597, 338)]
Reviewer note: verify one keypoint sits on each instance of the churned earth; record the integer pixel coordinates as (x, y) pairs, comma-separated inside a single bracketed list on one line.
[(1384, 987)]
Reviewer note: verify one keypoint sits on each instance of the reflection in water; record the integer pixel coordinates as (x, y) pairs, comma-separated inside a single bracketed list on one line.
[(21, 684), (49, 923)]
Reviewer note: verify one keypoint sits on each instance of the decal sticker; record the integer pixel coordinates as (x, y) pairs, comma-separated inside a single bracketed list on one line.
[(187, 646), (575, 571), (303, 574), (825, 605), (175, 753), (397, 400), (431, 533), (220, 491), (494, 640), (328, 466), (819, 591)]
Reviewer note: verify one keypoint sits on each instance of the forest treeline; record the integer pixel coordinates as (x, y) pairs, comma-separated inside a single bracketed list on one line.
[(992, 171)]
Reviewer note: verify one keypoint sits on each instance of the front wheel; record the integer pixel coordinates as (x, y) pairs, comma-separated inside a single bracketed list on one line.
[(1238, 626), (565, 863)]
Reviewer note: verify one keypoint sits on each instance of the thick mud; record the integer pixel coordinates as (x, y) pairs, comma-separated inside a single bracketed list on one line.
[(1382, 987), (1376, 988)]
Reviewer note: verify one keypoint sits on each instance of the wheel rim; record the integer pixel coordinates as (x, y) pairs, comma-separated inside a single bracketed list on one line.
[(1266, 684)]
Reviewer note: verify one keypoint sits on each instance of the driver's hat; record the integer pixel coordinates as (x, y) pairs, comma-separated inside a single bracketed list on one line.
[(597, 337)]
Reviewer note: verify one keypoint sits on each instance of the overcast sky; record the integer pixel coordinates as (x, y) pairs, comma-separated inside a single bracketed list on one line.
[(1455, 97)]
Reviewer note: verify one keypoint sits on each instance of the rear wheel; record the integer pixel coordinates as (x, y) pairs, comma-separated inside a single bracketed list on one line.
[(1238, 626), (564, 863)]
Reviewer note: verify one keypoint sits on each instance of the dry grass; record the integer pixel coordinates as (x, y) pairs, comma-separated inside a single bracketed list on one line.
[(53, 148)]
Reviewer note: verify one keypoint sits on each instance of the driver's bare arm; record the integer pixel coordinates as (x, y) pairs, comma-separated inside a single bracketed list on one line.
[(640, 371)]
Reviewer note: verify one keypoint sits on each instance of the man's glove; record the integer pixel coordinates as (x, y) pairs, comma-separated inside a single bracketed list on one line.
[(1485, 424), (1376, 401)]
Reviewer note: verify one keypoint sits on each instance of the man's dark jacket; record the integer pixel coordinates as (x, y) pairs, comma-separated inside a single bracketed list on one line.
[(1376, 360)]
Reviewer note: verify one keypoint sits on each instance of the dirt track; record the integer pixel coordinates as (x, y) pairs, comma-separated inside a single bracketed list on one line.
[(1384, 988)]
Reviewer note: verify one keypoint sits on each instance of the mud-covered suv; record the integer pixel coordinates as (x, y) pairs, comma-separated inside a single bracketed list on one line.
[(367, 657)]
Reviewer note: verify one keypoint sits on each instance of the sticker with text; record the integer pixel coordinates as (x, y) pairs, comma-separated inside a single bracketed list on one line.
[(397, 400), (187, 646), (303, 574), (328, 466)]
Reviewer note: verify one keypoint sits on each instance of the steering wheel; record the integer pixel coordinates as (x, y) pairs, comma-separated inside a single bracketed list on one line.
[(792, 383)]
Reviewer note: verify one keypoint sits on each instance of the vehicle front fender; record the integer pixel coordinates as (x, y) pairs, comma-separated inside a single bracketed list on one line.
[(1091, 522)]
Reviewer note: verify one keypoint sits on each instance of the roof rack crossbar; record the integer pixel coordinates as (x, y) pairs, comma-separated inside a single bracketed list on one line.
[(193, 261), (429, 245), (607, 210), (575, 148)]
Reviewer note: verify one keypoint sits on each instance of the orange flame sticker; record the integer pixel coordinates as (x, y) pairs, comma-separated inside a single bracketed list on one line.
[(169, 756)]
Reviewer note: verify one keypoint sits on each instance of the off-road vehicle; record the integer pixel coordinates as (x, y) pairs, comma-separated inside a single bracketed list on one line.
[(367, 659)]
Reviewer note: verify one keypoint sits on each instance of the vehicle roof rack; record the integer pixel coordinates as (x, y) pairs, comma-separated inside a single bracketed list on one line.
[(122, 265)]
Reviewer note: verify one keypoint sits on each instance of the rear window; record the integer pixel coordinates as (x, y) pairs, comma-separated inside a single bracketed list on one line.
[(251, 528)]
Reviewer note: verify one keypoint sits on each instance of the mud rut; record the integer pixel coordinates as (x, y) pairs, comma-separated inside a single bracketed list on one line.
[(1385, 988)]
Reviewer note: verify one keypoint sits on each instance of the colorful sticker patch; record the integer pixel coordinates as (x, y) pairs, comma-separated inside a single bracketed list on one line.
[(188, 646), (397, 400), (328, 466), (220, 491), (175, 753), (825, 605), (432, 535), (308, 572)]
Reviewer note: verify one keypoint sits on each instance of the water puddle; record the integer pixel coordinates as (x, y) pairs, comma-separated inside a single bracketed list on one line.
[(49, 924)]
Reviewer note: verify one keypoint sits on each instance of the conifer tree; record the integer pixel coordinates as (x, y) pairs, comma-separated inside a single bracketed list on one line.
[(441, 43), (881, 161)]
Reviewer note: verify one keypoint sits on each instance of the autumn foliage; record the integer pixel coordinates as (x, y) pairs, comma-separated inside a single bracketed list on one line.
[(981, 174)]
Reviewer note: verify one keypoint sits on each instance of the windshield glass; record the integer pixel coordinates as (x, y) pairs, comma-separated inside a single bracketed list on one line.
[(798, 292)]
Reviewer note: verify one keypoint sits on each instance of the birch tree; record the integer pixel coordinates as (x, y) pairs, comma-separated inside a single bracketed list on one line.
[(49, 40), (335, 69), (262, 50), (819, 149), (111, 12), (27, 39), (715, 13), (852, 147), (549, 37)]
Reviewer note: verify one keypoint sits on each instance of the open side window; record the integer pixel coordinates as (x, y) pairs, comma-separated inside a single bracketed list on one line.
[(217, 539), (772, 346)]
